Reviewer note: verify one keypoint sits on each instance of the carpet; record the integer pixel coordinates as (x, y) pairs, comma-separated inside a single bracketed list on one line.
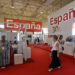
[(40, 65)]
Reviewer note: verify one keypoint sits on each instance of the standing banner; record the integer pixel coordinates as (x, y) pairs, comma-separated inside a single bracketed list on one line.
[(15, 24)]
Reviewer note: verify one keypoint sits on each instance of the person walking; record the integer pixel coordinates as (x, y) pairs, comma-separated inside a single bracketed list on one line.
[(55, 63)]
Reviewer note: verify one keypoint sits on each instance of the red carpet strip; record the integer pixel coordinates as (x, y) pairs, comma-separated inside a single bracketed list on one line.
[(40, 65)]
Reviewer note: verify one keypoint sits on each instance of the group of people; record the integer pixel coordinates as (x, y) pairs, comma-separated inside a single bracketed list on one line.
[(4, 53), (7, 50), (56, 53), (36, 41)]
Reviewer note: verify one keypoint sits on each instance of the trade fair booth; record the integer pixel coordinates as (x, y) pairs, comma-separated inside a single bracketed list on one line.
[(63, 23), (37, 37), (19, 36)]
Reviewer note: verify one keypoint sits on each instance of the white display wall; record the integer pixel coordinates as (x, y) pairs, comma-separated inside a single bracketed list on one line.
[(64, 27), (45, 38), (10, 36)]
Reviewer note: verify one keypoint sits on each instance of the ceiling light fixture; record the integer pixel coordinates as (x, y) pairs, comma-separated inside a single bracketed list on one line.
[(12, 7), (41, 12), (12, 4)]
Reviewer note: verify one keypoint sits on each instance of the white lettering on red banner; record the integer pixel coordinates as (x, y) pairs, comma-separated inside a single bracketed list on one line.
[(14, 24)]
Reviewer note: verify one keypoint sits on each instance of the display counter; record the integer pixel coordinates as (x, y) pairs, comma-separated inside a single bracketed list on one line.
[(69, 48)]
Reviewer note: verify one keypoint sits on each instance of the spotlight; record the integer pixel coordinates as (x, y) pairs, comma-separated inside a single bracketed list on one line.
[(41, 12), (12, 7)]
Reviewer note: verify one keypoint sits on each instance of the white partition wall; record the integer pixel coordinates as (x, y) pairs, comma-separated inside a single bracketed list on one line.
[(62, 23), (10, 36)]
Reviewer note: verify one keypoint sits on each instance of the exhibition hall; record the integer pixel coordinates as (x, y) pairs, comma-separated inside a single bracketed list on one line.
[(37, 37)]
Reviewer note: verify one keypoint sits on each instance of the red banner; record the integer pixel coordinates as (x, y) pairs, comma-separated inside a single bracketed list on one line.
[(15, 24)]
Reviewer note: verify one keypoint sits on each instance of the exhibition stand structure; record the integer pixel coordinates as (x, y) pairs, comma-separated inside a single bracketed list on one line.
[(25, 26), (63, 23)]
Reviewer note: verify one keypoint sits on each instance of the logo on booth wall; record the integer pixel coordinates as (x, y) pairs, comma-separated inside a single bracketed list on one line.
[(14, 24), (55, 28)]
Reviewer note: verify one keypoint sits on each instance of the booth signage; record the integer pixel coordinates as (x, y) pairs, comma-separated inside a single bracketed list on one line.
[(15, 24), (66, 16)]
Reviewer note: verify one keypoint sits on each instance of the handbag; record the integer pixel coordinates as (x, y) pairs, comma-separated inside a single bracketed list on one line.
[(63, 48), (50, 55)]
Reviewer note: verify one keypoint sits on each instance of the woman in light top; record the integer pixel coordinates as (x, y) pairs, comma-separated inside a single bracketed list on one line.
[(55, 63)]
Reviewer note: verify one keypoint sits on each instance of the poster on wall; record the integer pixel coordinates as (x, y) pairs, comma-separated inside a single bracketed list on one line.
[(15, 24)]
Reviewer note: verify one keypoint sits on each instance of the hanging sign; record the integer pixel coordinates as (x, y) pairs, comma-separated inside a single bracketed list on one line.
[(15, 24)]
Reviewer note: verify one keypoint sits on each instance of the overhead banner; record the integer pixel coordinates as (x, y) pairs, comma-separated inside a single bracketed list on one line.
[(16, 25)]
